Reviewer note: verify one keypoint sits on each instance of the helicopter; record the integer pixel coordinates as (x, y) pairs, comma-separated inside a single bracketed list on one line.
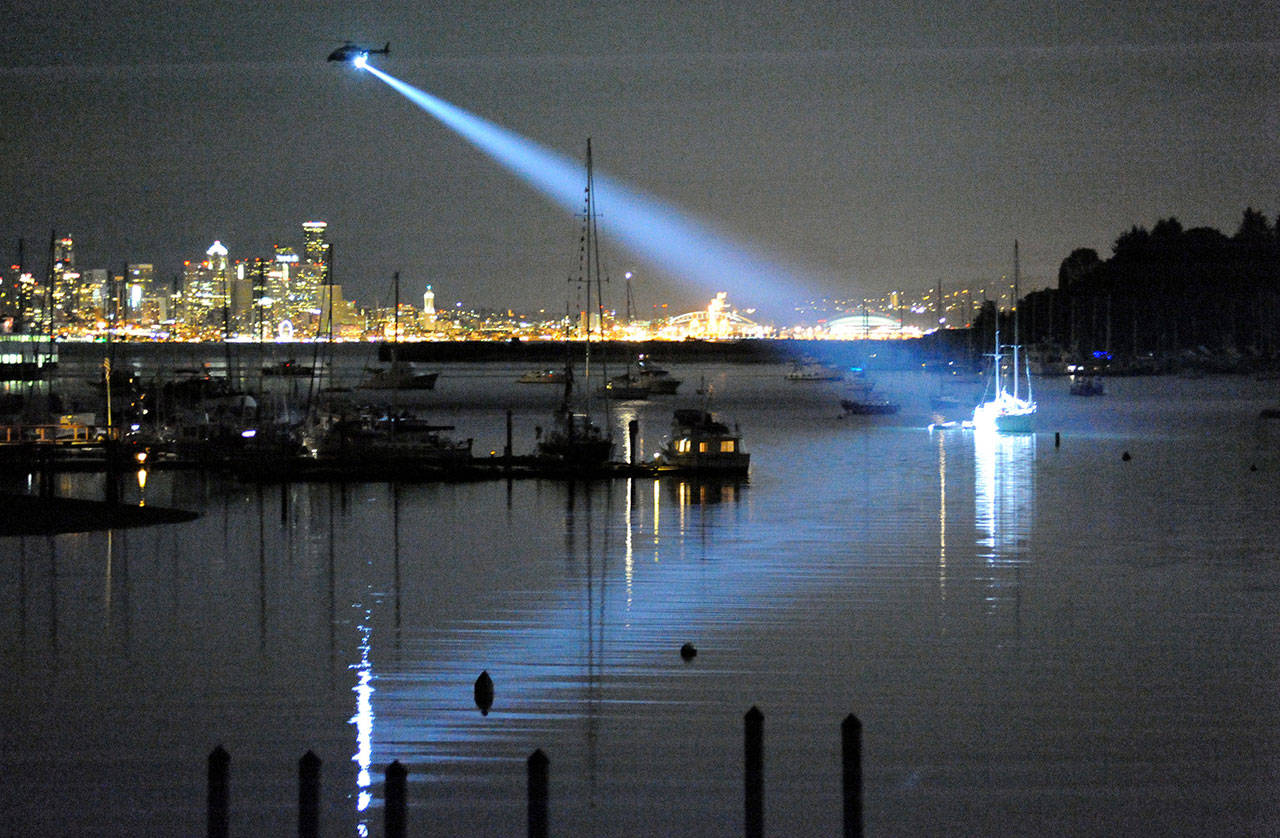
[(351, 51)]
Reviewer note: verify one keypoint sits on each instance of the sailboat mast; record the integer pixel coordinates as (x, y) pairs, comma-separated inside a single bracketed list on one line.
[(1015, 318), (593, 264)]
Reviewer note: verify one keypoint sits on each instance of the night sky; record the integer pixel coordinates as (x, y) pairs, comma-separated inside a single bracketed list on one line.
[(880, 145)]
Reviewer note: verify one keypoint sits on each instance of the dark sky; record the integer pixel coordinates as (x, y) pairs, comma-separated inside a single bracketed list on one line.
[(884, 144)]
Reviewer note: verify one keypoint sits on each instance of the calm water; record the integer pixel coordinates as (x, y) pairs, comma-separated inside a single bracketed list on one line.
[(1037, 639)]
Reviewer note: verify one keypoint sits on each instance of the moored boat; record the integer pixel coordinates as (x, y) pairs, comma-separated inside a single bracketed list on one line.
[(551, 375), (1001, 410), (814, 371), (700, 443), (398, 375)]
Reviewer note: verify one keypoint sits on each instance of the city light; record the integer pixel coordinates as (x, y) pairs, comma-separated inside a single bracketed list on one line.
[(676, 242)]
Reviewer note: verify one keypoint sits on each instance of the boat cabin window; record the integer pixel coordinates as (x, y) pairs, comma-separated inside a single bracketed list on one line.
[(726, 446), (682, 446), (702, 448)]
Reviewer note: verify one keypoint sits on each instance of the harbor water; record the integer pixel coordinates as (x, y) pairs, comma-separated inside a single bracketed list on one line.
[(1038, 634)]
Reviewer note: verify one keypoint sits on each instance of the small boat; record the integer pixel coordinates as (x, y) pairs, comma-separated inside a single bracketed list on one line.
[(287, 368), (369, 439), (657, 380), (700, 443), (814, 371), (1086, 386), (399, 375), (544, 376), (868, 406)]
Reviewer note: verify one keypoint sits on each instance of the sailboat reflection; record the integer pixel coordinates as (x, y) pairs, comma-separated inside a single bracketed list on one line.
[(1004, 504)]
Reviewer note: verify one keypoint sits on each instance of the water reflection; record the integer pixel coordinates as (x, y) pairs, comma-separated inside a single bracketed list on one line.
[(363, 722), (1004, 506)]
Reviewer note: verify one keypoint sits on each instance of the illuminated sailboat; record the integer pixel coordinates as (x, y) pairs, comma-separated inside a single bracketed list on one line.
[(1001, 410)]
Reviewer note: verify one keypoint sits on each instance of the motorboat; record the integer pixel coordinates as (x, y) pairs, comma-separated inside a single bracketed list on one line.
[(654, 378), (399, 375), (1082, 385), (551, 375), (869, 406), (814, 371), (702, 444)]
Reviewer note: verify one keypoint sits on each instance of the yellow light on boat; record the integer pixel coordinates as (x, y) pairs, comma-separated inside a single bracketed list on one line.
[(141, 457)]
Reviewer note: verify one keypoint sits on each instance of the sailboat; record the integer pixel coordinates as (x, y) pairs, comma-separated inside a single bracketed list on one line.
[(1001, 410), (575, 441), (398, 375)]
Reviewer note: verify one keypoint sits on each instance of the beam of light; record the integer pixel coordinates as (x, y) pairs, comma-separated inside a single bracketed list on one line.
[(670, 239)]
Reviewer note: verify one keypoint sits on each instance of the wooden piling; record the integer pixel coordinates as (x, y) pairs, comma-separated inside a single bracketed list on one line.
[(539, 769), (633, 431), (394, 799), (851, 758), (1057, 439), (219, 792), (309, 796), (506, 451), (753, 773)]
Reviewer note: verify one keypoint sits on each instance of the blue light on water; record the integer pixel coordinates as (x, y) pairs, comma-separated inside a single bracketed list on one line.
[(672, 240)]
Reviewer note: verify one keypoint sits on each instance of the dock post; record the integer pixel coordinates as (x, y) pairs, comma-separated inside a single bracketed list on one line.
[(1057, 439), (394, 793), (851, 757), (219, 792), (539, 770), (309, 796), (633, 430), (753, 773), (506, 452)]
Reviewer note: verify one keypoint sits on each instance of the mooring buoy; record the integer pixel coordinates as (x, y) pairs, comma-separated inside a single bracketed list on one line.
[(484, 692), (688, 652)]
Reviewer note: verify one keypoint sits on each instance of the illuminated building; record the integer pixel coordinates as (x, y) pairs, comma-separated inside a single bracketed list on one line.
[(205, 289), (315, 247), (718, 322), (90, 296), (65, 279)]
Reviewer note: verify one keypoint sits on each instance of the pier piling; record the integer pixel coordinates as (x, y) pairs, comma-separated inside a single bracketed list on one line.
[(219, 792), (851, 758), (309, 796), (394, 797), (753, 773), (539, 770)]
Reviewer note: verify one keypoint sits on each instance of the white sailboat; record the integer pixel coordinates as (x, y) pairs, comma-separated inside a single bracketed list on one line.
[(1001, 410)]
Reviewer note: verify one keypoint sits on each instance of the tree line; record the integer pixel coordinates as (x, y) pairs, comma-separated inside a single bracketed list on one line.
[(1164, 293)]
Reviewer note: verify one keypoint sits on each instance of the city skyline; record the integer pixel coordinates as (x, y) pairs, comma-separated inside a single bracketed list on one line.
[(878, 150)]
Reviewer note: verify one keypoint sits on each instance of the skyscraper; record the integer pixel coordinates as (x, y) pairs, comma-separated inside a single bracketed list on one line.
[(65, 278), (315, 246)]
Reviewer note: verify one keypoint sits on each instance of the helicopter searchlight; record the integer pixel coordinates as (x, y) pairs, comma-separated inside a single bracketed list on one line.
[(357, 54)]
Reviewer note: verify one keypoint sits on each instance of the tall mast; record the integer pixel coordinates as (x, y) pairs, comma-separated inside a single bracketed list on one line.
[(1015, 318)]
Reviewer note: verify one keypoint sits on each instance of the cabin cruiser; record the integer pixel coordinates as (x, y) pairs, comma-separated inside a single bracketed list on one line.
[(400, 375), (814, 371), (551, 375), (701, 444)]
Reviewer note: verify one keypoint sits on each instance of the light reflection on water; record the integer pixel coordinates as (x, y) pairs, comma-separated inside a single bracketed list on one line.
[(866, 567)]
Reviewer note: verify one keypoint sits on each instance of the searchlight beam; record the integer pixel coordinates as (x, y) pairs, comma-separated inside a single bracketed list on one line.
[(668, 238)]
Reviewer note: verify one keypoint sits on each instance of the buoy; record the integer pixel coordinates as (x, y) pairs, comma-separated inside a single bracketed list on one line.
[(688, 652), (1125, 456), (484, 692)]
